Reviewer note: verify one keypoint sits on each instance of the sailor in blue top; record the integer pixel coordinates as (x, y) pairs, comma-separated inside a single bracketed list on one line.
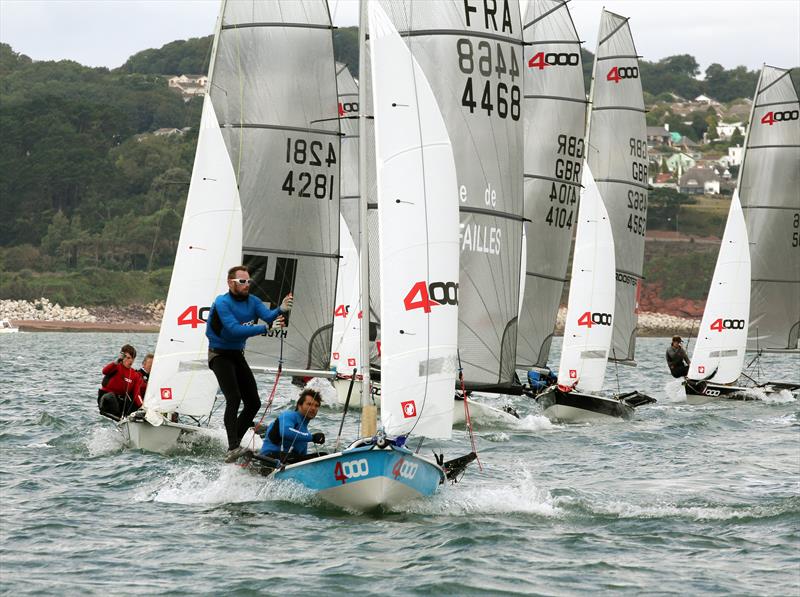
[(287, 438), (233, 318)]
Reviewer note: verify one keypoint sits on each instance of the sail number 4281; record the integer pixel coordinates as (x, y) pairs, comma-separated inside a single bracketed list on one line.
[(300, 152)]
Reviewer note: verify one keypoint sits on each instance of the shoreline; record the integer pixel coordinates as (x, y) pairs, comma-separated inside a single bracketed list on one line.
[(664, 326)]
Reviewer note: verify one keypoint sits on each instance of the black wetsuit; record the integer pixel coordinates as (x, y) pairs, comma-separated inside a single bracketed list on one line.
[(678, 361)]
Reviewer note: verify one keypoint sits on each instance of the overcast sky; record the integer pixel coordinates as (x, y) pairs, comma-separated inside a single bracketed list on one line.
[(107, 32)]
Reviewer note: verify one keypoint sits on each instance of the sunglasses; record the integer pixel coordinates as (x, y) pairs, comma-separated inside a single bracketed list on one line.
[(242, 281)]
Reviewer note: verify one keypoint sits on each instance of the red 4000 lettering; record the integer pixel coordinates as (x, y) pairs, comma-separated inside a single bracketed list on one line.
[(425, 296)]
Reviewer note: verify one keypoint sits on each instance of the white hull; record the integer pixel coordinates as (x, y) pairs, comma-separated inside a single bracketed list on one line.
[(342, 386), (370, 494), (570, 414), (141, 435), (7, 328), (483, 413)]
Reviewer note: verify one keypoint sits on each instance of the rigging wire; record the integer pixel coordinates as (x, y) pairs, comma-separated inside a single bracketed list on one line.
[(467, 418)]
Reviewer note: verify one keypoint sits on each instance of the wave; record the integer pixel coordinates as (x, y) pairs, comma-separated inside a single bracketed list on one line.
[(522, 496)]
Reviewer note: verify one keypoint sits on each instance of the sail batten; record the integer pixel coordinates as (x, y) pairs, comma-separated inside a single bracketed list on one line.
[(554, 116), (769, 178), (282, 133), (617, 156)]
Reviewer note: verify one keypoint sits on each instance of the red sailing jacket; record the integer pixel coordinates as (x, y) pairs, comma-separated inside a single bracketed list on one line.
[(123, 380)]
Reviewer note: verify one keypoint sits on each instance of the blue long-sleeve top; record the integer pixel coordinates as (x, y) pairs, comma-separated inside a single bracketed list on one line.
[(233, 320), (294, 433)]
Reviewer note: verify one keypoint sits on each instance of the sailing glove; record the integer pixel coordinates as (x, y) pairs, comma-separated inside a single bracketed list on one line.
[(318, 437), (287, 303)]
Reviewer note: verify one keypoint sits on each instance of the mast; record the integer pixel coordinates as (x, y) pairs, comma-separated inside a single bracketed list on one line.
[(363, 232)]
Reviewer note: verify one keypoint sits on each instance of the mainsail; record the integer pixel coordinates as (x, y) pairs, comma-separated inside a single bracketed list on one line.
[(617, 155), (769, 179), (274, 88), (554, 113), (471, 53), (590, 310), (209, 244), (719, 352), (345, 347), (417, 212)]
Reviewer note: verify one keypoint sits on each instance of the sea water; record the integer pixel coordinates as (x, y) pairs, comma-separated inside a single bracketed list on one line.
[(680, 500)]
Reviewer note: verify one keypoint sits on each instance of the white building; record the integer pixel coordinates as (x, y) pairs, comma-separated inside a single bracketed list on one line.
[(726, 129)]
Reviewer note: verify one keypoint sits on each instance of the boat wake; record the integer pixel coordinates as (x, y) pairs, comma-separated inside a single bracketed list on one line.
[(521, 496), (222, 484), (668, 510), (781, 397), (104, 440), (674, 391)]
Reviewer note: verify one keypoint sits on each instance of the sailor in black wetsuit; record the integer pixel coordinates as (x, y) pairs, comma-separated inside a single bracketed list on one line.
[(677, 359)]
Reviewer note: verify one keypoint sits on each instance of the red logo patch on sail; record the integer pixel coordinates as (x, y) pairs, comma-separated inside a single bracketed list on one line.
[(701, 368), (351, 362), (336, 356), (166, 393), (573, 374), (409, 409)]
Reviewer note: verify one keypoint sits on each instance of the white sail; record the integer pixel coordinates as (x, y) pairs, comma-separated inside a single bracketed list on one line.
[(719, 352), (590, 310), (554, 114), (617, 154), (769, 179), (210, 243), (346, 316), (418, 215)]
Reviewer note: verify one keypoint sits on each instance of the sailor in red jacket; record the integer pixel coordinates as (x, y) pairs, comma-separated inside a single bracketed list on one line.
[(121, 392)]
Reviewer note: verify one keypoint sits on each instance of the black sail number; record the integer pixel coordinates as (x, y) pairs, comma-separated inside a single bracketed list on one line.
[(303, 183), (483, 91)]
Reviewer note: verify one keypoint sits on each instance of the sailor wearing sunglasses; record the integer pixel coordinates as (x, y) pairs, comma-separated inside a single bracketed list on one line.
[(232, 320)]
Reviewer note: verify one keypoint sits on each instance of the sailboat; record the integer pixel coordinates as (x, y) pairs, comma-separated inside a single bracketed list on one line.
[(763, 313), (264, 192), (554, 114), (417, 210), (718, 355), (472, 55), (589, 325), (617, 155), (769, 177)]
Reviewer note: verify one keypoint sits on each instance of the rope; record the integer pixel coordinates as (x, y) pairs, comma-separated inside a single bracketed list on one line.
[(467, 418), (268, 406)]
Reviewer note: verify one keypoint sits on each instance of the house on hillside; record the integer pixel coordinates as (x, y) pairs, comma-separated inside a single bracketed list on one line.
[(658, 135), (189, 85), (700, 181), (704, 99), (167, 132), (680, 162), (734, 157), (726, 129)]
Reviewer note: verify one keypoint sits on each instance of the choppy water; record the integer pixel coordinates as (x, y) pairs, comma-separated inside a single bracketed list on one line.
[(683, 499)]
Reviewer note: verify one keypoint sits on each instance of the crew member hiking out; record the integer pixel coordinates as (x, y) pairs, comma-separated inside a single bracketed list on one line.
[(120, 392), (233, 319), (677, 359), (287, 438)]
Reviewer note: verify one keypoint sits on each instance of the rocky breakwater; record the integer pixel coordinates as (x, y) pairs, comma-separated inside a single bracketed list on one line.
[(42, 315)]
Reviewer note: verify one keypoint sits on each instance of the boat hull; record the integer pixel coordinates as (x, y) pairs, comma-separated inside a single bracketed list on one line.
[(480, 412), (578, 407), (141, 435), (366, 478), (703, 392)]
